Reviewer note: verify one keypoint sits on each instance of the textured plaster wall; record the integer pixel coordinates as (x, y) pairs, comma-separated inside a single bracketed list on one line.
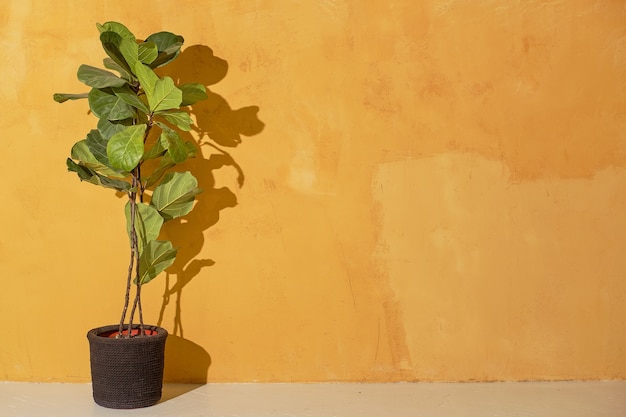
[(432, 190)]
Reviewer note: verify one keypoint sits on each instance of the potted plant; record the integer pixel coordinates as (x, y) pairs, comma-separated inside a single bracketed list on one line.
[(132, 150)]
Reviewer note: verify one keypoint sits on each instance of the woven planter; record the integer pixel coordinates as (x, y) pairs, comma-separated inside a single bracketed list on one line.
[(127, 373)]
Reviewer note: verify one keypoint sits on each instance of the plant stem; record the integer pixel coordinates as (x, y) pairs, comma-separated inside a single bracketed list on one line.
[(132, 314), (133, 207), (134, 255), (141, 189), (137, 302), (137, 190)]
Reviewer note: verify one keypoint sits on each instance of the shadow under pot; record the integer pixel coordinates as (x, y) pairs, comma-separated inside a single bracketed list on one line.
[(127, 372)]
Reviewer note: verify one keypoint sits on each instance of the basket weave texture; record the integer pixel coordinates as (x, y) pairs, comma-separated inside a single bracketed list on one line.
[(127, 373)]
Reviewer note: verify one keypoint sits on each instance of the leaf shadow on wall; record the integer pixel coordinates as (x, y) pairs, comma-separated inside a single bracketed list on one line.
[(218, 127)]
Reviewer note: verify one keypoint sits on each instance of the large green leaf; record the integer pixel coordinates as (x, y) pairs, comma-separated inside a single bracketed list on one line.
[(120, 44), (164, 165), (111, 42), (147, 78), (105, 104), (191, 150), (116, 27), (89, 175), (166, 95), (63, 97), (165, 40), (125, 148), (148, 223), (84, 173), (171, 140), (81, 152), (180, 119), (192, 93), (108, 128), (130, 97), (156, 150), (168, 45), (174, 196), (97, 145), (130, 51), (148, 52), (157, 256), (98, 78), (112, 65)]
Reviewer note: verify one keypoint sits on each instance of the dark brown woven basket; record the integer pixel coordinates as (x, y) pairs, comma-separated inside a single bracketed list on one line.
[(127, 373)]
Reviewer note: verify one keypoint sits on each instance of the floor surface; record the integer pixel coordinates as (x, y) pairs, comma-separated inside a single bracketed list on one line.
[(549, 399)]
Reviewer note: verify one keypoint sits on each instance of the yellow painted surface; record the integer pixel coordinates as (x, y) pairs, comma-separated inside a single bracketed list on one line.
[(438, 192)]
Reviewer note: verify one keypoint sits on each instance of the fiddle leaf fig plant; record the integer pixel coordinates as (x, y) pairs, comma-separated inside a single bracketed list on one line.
[(135, 143)]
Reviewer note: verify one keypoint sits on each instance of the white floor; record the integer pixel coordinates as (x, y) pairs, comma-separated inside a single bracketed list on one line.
[(553, 399)]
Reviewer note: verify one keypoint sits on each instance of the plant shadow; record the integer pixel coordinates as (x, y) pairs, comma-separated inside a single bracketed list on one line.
[(218, 126)]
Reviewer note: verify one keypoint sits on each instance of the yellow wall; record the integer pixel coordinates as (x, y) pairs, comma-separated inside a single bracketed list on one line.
[(439, 192)]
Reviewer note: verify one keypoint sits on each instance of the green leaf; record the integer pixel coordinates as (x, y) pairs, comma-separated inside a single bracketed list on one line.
[(82, 153), (112, 65), (111, 42), (165, 96), (130, 97), (91, 176), (168, 45), (148, 52), (191, 150), (84, 173), (98, 78), (192, 93), (130, 51), (63, 97), (157, 256), (165, 164), (175, 195), (116, 27), (180, 119), (108, 128), (156, 150), (148, 223), (165, 40), (105, 104), (171, 140), (97, 145), (125, 148), (147, 78)]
